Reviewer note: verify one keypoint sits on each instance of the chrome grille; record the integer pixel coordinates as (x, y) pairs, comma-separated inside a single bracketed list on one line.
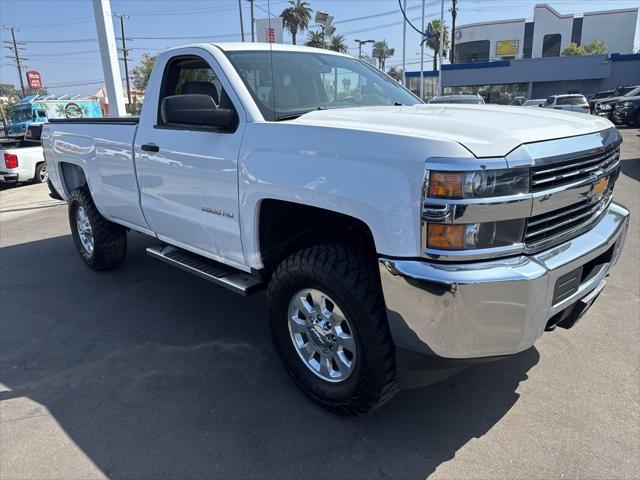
[(544, 177), (558, 225)]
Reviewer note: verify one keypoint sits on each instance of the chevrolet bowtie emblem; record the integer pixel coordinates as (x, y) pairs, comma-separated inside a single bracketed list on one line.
[(598, 188)]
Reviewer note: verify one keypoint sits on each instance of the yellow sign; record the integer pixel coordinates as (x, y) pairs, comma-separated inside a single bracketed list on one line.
[(507, 47)]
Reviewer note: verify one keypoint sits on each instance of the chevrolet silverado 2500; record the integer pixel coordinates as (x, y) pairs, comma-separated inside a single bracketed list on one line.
[(385, 231)]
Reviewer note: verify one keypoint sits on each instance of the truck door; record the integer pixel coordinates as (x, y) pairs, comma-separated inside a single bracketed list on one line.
[(188, 174)]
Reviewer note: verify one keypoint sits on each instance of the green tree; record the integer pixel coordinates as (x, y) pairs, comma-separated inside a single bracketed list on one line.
[(315, 39), (595, 47), (9, 96), (379, 52), (296, 17), (142, 71), (395, 73), (337, 44), (434, 42)]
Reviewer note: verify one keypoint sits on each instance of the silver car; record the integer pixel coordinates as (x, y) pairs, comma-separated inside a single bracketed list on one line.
[(569, 102)]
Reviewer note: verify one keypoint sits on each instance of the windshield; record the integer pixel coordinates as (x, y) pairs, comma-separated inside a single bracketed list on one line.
[(22, 114), (575, 100), (633, 92), (622, 91), (285, 85)]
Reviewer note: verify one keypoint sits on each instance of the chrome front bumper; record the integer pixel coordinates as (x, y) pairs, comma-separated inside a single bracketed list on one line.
[(492, 308)]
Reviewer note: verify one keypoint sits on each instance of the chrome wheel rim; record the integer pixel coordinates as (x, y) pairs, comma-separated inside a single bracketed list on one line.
[(322, 335), (43, 174), (84, 230)]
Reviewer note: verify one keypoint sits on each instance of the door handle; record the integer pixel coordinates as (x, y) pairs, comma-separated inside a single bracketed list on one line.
[(150, 147)]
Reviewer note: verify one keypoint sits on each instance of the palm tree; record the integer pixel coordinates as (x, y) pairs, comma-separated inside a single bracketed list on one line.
[(434, 42), (380, 51), (395, 73), (336, 43), (315, 39), (296, 18)]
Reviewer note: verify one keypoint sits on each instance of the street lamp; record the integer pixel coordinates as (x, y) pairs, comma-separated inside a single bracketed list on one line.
[(324, 21), (360, 43)]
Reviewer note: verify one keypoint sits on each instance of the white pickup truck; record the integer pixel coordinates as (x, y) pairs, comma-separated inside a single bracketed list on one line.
[(22, 159), (390, 235)]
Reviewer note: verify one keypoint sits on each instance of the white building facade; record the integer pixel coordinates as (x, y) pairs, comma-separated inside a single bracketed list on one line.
[(546, 36)]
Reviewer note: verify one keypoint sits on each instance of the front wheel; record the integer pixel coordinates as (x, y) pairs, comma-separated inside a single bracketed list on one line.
[(330, 329), (41, 175), (101, 244)]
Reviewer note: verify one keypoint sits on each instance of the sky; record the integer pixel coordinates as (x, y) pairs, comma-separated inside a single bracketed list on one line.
[(60, 35)]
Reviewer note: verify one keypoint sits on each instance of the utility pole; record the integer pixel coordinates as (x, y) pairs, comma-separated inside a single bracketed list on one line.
[(454, 14), (404, 46), (125, 58), (441, 47), (13, 46), (241, 21), (422, 56), (253, 37)]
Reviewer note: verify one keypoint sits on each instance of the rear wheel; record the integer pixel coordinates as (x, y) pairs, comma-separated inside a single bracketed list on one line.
[(41, 175), (330, 329), (101, 244)]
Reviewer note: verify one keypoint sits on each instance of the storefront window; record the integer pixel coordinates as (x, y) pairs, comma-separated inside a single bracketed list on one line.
[(430, 86), (504, 94)]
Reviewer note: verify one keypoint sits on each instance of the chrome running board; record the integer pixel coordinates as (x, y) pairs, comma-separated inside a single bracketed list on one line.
[(228, 277)]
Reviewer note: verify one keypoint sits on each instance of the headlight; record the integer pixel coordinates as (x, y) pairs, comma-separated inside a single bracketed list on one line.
[(627, 104), (447, 236), (605, 106), (478, 184)]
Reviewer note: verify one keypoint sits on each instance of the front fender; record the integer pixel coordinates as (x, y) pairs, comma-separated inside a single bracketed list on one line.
[(374, 177)]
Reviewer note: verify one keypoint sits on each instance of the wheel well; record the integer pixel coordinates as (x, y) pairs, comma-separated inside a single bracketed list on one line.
[(72, 176), (287, 227)]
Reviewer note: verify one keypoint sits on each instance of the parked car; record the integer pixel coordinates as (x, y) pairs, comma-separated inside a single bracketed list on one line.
[(23, 160), (569, 102), (606, 107), (389, 234), (599, 96), (627, 111), (536, 102), (470, 99)]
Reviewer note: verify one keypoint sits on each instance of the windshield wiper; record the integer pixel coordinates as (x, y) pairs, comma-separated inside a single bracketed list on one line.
[(291, 116)]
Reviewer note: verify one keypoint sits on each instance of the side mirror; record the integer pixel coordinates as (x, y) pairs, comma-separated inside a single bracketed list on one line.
[(195, 110)]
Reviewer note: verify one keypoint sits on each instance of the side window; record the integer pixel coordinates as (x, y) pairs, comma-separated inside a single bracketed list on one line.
[(549, 101), (190, 75)]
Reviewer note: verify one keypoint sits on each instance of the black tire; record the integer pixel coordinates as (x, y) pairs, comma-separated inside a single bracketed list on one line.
[(352, 280), (109, 239), (39, 177)]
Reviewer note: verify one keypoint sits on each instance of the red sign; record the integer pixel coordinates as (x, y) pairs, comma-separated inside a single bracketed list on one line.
[(270, 33), (34, 80)]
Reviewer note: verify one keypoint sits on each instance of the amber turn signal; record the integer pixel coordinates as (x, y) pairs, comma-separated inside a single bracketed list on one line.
[(445, 236), (445, 185)]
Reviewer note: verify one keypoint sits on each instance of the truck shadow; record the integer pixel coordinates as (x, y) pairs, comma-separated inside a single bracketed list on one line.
[(631, 168), (154, 373)]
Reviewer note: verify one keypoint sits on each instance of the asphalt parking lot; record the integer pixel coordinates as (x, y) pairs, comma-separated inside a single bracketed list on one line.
[(147, 372)]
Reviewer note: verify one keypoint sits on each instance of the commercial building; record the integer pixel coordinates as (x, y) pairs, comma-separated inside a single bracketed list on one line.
[(505, 59), (547, 35), (500, 82)]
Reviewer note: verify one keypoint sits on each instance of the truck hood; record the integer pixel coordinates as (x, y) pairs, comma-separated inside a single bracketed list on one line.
[(485, 130)]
